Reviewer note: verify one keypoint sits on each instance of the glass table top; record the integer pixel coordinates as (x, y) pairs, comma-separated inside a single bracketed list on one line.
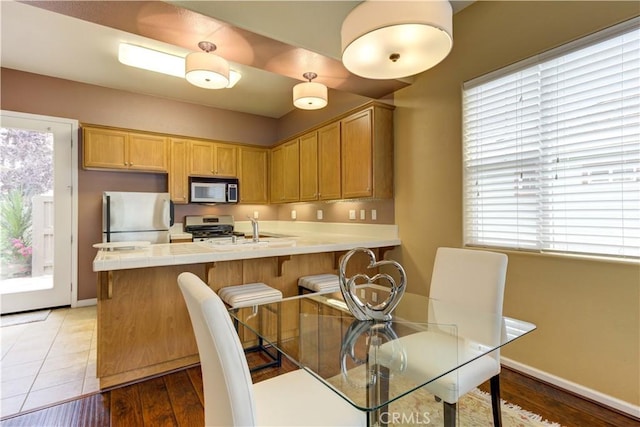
[(372, 364)]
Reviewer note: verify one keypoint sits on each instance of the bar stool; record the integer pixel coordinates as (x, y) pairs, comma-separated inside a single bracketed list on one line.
[(319, 283), (250, 295)]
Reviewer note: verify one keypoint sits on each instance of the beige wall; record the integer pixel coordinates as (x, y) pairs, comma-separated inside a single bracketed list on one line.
[(587, 312)]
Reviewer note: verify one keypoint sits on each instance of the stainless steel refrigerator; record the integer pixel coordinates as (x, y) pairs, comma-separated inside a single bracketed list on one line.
[(136, 216)]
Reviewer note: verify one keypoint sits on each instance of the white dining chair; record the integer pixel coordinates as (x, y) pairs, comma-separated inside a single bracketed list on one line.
[(230, 399), (473, 281)]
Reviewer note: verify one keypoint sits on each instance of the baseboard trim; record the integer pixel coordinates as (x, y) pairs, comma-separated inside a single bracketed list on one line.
[(85, 302), (588, 393)]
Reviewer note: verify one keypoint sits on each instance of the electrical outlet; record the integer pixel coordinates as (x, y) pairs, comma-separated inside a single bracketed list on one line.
[(294, 215), (319, 214), (374, 296), (256, 214), (363, 214), (352, 214), (362, 293), (374, 215)]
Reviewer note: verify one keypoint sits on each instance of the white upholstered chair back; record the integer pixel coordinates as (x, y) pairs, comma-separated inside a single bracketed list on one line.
[(471, 278), (228, 389)]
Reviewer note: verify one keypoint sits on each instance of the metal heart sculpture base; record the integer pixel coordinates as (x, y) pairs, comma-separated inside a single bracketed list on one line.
[(367, 311)]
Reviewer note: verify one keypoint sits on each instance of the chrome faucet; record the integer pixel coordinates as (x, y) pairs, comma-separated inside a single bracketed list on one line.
[(254, 226)]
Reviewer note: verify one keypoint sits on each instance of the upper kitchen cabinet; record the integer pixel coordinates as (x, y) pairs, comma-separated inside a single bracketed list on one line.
[(253, 175), (329, 187), (105, 148), (178, 178), (308, 145), (367, 153), (213, 159), (285, 172)]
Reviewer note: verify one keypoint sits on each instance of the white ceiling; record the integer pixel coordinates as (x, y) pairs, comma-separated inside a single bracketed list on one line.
[(43, 42)]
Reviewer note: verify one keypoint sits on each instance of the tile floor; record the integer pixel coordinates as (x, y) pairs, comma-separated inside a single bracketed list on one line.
[(49, 361)]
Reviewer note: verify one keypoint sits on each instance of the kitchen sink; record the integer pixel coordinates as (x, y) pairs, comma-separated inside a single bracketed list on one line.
[(242, 244)]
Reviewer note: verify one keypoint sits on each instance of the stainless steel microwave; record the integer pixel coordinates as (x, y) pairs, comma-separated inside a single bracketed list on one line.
[(213, 190)]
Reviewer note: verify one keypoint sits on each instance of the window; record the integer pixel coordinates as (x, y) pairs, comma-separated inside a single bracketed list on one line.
[(551, 150)]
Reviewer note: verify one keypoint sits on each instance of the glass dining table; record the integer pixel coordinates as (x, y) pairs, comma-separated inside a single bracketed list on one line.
[(386, 369)]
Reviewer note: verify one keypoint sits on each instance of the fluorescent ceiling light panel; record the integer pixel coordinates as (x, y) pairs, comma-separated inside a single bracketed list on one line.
[(160, 62)]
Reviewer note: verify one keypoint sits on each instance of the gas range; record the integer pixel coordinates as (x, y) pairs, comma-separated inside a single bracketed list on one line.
[(211, 228)]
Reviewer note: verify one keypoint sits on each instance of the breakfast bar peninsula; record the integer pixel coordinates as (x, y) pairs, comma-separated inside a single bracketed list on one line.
[(143, 324)]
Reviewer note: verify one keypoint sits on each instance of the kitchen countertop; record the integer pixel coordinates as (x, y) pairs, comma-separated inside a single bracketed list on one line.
[(288, 238)]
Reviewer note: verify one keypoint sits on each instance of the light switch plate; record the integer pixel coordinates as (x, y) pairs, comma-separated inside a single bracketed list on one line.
[(352, 214), (319, 214)]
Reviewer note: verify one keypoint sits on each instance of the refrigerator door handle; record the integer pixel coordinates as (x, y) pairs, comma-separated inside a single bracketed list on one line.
[(108, 218)]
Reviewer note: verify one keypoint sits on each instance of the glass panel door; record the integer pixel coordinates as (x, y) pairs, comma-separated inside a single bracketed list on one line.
[(36, 211)]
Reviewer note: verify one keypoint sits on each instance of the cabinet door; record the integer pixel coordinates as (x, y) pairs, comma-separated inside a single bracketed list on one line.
[(147, 152), (309, 166), (253, 175), (178, 174), (291, 176), (201, 158), (225, 160), (104, 148), (329, 162), (357, 155), (277, 175)]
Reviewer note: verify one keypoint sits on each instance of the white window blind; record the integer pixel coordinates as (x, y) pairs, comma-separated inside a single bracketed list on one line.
[(552, 150)]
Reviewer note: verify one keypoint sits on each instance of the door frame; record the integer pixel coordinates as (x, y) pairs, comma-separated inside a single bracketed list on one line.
[(74, 188)]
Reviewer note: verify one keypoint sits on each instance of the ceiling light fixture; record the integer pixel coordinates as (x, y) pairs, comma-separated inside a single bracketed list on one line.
[(206, 70), (152, 60), (310, 95), (161, 62), (395, 39)]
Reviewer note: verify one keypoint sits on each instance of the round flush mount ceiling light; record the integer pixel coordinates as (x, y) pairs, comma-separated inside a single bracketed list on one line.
[(395, 39), (206, 70), (310, 95)]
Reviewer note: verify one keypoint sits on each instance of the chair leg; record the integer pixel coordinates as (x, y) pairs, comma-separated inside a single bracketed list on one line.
[(449, 414), (494, 384)]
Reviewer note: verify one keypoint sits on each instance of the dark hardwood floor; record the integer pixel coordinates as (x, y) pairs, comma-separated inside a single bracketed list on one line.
[(176, 399)]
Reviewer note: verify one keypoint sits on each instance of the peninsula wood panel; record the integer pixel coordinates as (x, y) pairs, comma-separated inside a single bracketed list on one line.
[(144, 324)]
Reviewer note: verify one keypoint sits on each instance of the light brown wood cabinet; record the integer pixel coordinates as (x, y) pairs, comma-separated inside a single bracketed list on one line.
[(285, 172), (178, 178), (367, 153), (253, 175), (329, 160), (308, 145), (213, 159), (105, 148)]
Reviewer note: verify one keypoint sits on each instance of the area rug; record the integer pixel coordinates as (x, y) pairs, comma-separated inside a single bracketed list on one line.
[(474, 410), (20, 318), (420, 408)]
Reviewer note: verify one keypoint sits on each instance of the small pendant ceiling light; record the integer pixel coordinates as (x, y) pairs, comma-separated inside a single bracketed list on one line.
[(395, 39), (310, 95), (204, 69)]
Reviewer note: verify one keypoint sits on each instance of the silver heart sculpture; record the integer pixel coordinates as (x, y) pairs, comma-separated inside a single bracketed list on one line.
[(367, 311)]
